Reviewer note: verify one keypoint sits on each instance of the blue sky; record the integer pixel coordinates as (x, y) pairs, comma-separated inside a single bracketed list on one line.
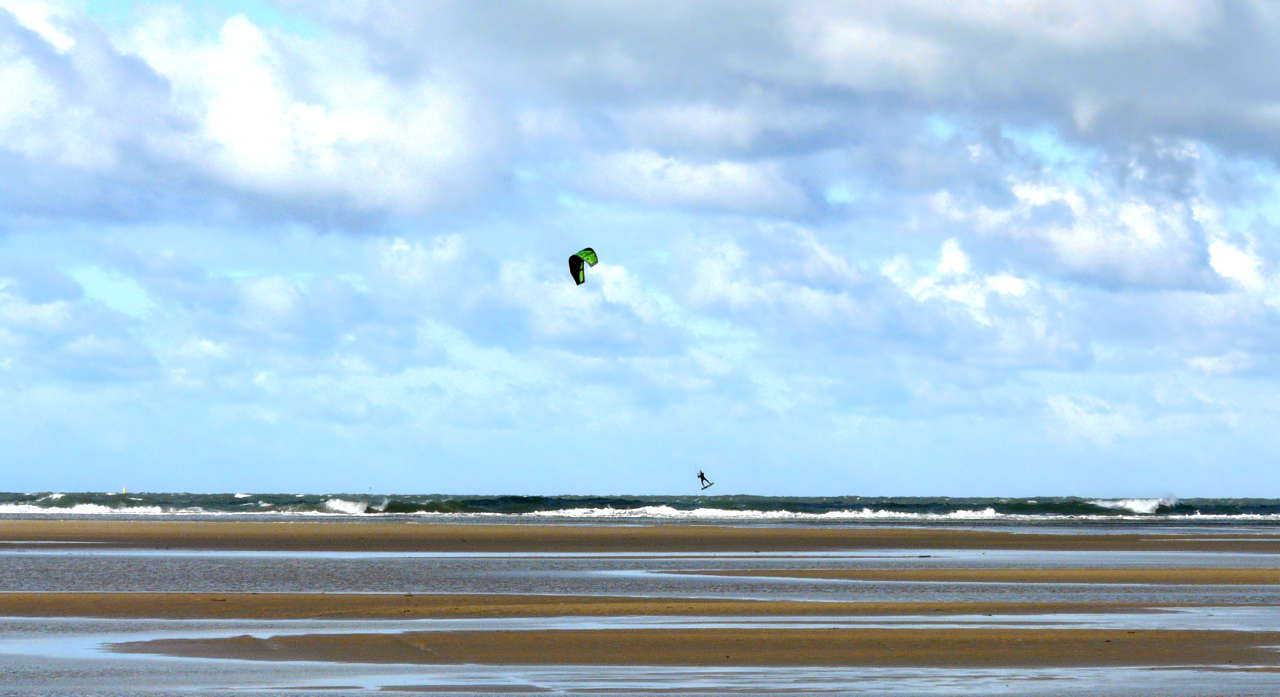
[(908, 248)]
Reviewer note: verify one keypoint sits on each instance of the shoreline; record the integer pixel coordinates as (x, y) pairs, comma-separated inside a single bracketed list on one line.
[(414, 536)]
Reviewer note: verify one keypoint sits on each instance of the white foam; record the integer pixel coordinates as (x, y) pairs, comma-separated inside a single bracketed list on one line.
[(346, 507), (1136, 510), (722, 514), (82, 509), (242, 496), (1140, 506)]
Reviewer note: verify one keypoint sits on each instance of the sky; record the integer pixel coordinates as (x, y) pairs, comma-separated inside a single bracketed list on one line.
[(846, 248)]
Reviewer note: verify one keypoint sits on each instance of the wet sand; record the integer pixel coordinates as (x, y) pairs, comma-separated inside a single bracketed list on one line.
[(778, 645), (750, 647), (422, 606), (1194, 576), (411, 536)]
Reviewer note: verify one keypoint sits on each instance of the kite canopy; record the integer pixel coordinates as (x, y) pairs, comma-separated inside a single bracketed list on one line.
[(576, 268)]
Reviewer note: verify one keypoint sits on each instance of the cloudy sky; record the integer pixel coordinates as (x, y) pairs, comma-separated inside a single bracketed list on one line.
[(845, 248)]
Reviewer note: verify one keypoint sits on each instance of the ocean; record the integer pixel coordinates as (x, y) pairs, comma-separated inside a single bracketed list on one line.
[(730, 509)]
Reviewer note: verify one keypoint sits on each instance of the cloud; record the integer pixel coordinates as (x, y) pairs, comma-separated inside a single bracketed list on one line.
[(807, 296), (612, 314), (1092, 419), (70, 337), (288, 118), (1082, 234), (1227, 365), (651, 179), (248, 117), (1099, 70)]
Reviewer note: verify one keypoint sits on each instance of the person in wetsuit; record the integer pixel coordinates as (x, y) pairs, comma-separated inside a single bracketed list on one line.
[(702, 479)]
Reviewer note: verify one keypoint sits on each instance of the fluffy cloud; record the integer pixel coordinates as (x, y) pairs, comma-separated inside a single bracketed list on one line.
[(1081, 234), (246, 116), (1183, 68), (288, 117)]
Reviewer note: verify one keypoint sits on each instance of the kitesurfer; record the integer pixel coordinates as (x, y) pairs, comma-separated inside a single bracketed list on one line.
[(702, 479)]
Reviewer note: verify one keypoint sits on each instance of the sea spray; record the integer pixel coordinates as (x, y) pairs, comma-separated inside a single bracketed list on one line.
[(1140, 506)]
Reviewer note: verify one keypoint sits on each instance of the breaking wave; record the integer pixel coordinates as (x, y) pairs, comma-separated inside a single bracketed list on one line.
[(745, 508), (1140, 506), (346, 507)]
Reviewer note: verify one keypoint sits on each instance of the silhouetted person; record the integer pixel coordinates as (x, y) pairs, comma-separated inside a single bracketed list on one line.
[(702, 479)]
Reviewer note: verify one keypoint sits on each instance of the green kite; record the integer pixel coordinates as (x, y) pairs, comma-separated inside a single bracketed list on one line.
[(576, 268)]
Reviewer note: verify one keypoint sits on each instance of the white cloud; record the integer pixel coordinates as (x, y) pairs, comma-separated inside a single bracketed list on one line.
[(954, 280), (1086, 235), (866, 52), (614, 311), (199, 348), (48, 19), (56, 98), (413, 264), (292, 117), (756, 122), (1225, 365), (270, 303), (650, 178), (1092, 419), (247, 111), (45, 318), (1238, 265)]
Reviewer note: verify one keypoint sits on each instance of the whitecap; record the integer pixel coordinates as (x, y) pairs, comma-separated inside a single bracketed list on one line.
[(82, 509), (346, 507), (1140, 506)]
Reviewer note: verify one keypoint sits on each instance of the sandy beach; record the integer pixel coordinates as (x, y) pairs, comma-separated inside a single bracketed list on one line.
[(1242, 577), (674, 595), (680, 538), (752, 647), (414, 606)]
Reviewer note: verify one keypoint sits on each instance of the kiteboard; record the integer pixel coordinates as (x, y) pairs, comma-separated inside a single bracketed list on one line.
[(708, 484)]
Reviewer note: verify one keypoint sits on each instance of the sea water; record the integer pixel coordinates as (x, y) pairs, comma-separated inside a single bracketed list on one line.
[(861, 510)]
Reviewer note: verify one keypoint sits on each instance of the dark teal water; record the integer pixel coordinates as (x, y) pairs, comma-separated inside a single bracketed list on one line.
[(738, 507)]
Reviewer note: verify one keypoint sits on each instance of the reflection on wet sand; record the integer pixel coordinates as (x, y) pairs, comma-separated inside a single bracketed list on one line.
[(745, 609)]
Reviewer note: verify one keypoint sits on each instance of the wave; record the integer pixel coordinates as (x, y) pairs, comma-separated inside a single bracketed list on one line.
[(84, 509), (620, 507), (719, 514), (346, 507), (724, 514), (1141, 506)]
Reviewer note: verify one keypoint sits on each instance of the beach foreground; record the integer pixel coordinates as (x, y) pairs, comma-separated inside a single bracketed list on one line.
[(439, 606), (675, 538), (410, 594), (752, 647)]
